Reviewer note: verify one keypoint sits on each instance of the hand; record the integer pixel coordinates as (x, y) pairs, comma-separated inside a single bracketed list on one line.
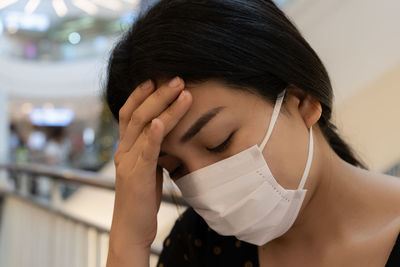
[(146, 118)]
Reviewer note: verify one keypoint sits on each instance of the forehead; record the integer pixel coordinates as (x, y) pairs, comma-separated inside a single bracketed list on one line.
[(214, 93), (211, 94)]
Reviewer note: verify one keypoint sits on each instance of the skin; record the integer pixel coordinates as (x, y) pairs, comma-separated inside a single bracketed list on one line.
[(350, 217)]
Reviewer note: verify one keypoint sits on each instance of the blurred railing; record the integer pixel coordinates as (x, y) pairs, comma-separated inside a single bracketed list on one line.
[(394, 171), (35, 231)]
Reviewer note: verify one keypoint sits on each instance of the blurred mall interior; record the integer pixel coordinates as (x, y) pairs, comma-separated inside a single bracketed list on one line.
[(58, 137)]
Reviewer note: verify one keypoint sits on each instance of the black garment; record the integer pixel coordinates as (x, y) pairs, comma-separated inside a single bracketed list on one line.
[(394, 259), (192, 243)]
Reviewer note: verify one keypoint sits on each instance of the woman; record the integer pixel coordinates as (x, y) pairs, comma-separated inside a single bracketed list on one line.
[(245, 132)]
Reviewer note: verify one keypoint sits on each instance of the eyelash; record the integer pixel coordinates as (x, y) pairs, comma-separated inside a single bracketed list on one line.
[(218, 149), (222, 147)]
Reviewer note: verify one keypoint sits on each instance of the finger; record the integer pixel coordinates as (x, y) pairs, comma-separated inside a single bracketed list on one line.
[(146, 163), (174, 113), (170, 117), (131, 104), (153, 106)]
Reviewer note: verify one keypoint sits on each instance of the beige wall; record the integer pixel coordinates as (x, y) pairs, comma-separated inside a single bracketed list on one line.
[(370, 121)]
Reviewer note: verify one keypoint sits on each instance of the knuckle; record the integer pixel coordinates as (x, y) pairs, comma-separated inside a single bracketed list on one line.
[(146, 156), (143, 156), (170, 112), (159, 93), (117, 157), (136, 119), (121, 114)]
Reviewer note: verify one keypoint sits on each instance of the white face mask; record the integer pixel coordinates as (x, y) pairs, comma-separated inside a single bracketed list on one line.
[(239, 195)]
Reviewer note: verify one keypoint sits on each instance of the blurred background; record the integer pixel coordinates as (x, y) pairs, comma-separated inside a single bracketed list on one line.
[(57, 137)]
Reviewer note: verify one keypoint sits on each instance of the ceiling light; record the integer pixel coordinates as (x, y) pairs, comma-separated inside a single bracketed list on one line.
[(74, 38), (60, 7), (6, 3), (23, 21), (86, 6), (31, 6), (136, 2), (110, 4)]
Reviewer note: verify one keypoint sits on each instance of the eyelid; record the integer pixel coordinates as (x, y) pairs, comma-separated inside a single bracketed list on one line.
[(221, 147)]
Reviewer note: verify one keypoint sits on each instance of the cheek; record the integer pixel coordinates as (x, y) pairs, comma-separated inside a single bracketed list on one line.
[(243, 139), (286, 155)]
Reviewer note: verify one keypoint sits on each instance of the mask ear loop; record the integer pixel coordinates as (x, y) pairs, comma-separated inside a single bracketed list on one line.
[(309, 160), (274, 117)]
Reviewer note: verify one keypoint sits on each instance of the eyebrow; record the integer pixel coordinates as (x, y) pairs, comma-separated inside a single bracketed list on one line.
[(198, 125)]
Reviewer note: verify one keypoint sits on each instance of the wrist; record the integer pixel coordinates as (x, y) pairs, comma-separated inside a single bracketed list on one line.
[(123, 252), (137, 257)]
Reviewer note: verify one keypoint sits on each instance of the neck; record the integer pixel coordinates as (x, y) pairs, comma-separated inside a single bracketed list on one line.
[(335, 200)]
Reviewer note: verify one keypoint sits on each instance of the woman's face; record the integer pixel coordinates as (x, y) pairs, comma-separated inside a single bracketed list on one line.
[(222, 122)]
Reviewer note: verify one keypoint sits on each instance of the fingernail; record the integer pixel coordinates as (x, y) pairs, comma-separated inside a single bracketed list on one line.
[(146, 85), (174, 82)]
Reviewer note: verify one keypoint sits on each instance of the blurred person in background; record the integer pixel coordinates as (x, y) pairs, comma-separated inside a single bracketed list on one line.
[(57, 148), (199, 89), (18, 152), (36, 142), (15, 142), (56, 153)]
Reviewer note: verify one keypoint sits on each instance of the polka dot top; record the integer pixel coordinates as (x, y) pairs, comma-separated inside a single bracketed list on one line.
[(192, 243)]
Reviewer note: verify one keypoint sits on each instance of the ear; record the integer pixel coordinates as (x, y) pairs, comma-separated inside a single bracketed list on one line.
[(309, 108)]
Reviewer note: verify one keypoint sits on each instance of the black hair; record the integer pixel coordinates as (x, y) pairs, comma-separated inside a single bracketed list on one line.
[(246, 44)]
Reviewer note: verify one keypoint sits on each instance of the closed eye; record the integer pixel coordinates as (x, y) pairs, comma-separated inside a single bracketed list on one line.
[(223, 146), (218, 149)]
